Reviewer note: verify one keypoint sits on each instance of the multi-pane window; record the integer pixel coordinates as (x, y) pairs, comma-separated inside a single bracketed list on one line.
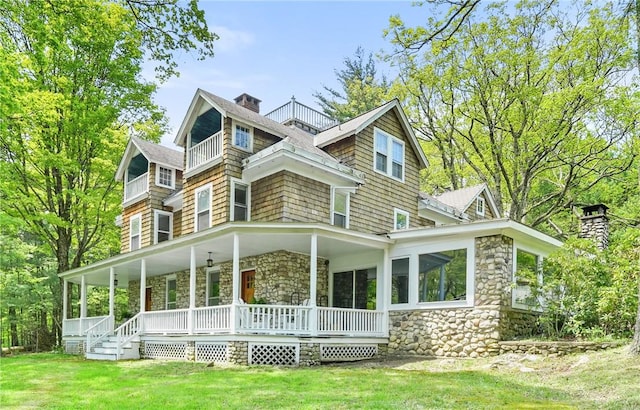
[(240, 202), (135, 228), (400, 281), (171, 292), (203, 208), (480, 206), (165, 177), (242, 136), (442, 276), (401, 219), (163, 226), (340, 210), (389, 155), (213, 288)]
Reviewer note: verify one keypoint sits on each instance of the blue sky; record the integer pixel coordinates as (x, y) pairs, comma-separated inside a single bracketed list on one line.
[(273, 50)]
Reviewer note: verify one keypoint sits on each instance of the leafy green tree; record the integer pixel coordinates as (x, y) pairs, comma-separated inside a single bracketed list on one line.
[(360, 90), (533, 103), (71, 92)]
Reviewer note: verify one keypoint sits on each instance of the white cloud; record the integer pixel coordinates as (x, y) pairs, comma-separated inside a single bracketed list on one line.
[(231, 40)]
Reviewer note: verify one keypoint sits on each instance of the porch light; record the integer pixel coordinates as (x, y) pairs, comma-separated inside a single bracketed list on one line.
[(115, 280), (209, 261)]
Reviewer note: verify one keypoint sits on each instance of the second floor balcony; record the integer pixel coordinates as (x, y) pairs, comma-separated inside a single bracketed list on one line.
[(136, 187), (203, 152)]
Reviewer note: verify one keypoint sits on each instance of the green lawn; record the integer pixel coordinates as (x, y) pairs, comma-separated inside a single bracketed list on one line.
[(603, 380)]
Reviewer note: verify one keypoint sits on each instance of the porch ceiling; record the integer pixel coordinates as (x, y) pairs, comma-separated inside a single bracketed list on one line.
[(254, 239)]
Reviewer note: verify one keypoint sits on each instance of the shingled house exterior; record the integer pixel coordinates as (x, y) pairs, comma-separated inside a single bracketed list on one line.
[(288, 239)]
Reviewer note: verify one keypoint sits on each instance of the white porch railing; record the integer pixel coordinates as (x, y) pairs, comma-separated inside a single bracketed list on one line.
[(351, 322), (136, 186), (79, 326), (250, 319), (99, 332), (204, 151)]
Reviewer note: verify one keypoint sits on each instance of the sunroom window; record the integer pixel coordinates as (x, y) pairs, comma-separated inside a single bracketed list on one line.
[(355, 289), (442, 276), (400, 281)]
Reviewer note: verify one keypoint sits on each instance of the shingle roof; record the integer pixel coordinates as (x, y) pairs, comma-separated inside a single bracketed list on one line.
[(293, 135), (461, 198), (159, 153)]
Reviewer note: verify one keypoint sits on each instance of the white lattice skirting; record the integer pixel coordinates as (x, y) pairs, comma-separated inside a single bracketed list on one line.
[(156, 350), (347, 352), (211, 352), (274, 354)]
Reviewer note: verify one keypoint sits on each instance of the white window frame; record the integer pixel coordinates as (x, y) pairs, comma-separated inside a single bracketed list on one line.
[(397, 212), (409, 277), (389, 163), (166, 292), (480, 206), (234, 125), (139, 235), (156, 214), (173, 176), (215, 269), (514, 279), (347, 192), (235, 182), (195, 205)]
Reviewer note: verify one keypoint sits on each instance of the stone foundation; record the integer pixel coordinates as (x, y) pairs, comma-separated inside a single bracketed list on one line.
[(238, 353), (554, 348)]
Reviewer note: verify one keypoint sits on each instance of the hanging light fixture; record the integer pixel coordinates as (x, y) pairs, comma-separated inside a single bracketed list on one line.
[(209, 261), (115, 280)]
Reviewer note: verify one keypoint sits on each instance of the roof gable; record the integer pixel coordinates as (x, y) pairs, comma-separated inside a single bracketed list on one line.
[(462, 198), (362, 121), (155, 153)]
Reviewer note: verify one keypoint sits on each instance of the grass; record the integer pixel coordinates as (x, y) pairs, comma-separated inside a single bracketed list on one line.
[(599, 380)]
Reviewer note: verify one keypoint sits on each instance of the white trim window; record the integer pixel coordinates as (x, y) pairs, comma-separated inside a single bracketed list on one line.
[(388, 153), (213, 287), (162, 226), (240, 201), (135, 232), (340, 207), (172, 292), (202, 212), (400, 281), (480, 205), (442, 276), (242, 136), (165, 177), (400, 219)]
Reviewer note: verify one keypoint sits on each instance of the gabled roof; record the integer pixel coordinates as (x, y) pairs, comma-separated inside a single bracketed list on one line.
[(362, 121), (438, 211), (230, 109), (155, 153), (462, 198)]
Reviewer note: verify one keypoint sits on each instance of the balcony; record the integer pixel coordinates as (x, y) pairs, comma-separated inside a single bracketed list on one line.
[(302, 116), (204, 152), (136, 187)]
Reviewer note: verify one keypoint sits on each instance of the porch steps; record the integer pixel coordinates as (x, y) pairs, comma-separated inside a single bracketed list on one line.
[(108, 350)]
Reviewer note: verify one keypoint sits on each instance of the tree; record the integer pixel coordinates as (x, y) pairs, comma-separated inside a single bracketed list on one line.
[(361, 90), (71, 93), (530, 102)]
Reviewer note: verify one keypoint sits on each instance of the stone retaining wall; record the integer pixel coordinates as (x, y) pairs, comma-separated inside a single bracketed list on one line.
[(554, 348)]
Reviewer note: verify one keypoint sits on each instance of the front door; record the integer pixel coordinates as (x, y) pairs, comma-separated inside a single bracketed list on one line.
[(147, 300), (248, 285)]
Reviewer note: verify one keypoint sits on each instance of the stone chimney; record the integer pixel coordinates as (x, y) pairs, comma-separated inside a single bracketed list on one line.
[(595, 224), (249, 102)]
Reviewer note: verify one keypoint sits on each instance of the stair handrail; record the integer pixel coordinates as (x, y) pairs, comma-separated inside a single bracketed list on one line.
[(128, 331), (99, 331)]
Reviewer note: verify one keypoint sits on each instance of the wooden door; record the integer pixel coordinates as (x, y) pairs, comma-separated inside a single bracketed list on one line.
[(147, 300), (248, 285)]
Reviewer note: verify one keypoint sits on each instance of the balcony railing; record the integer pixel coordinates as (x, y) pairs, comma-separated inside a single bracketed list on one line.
[(136, 186), (294, 111), (249, 319), (204, 151)]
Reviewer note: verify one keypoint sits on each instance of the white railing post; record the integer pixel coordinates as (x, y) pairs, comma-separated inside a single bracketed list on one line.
[(143, 284), (112, 291), (65, 297), (192, 290), (313, 285)]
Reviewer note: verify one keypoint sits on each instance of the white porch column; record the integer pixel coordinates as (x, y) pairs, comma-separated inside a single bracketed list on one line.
[(83, 298), (313, 285), (235, 284), (192, 289), (143, 284), (112, 291), (386, 291), (65, 300)]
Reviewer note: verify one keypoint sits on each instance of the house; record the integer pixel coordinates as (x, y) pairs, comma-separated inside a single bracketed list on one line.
[(285, 238)]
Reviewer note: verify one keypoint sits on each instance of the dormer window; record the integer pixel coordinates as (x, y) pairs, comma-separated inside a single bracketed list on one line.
[(242, 136), (480, 206), (388, 155), (165, 177)]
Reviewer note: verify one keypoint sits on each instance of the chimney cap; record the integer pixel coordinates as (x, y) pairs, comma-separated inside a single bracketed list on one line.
[(597, 209), (245, 96)]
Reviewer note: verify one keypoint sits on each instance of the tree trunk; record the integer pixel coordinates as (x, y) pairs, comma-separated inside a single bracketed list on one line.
[(13, 327), (635, 344)]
